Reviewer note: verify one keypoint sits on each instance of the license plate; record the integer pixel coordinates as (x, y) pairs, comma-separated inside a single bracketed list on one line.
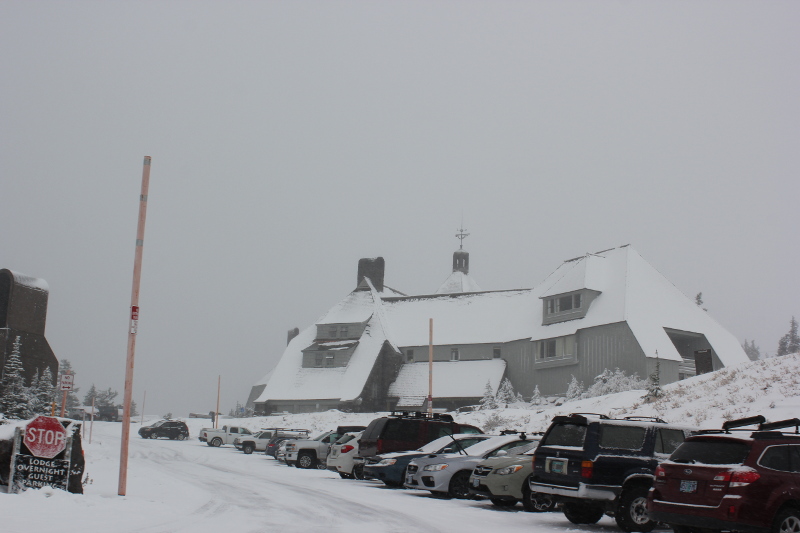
[(476, 482), (557, 467), (688, 486)]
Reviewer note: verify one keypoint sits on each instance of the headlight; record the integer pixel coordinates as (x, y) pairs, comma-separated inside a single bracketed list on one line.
[(508, 470), (435, 468), (386, 462)]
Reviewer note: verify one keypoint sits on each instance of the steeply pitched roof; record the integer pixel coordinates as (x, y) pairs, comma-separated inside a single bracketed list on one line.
[(457, 282)]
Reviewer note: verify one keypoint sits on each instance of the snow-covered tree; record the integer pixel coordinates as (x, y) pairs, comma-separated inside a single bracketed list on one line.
[(520, 398), (133, 408), (488, 401), (43, 392), (105, 398), (505, 393), (752, 351), (610, 382), (91, 395), (15, 397), (654, 382), (575, 389), (536, 397), (789, 343), (699, 301)]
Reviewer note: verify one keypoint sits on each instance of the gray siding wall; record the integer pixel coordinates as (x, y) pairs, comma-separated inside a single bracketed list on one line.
[(467, 352)]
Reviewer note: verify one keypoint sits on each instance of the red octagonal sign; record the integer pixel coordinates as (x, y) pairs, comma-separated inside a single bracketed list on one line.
[(45, 437)]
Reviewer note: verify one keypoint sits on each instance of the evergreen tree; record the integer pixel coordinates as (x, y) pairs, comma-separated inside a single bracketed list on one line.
[(105, 398), (575, 389), (699, 301), (752, 351), (536, 398), (15, 396), (488, 401), (505, 393), (133, 408), (610, 382), (91, 395), (789, 343), (44, 392), (654, 381)]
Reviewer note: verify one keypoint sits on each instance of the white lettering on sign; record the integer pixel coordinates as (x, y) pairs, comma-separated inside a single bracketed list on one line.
[(48, 437), (67, 381)]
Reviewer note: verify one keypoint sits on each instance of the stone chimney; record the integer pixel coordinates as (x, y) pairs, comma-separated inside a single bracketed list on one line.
[(292, 334), (371, 268), (461, 261)]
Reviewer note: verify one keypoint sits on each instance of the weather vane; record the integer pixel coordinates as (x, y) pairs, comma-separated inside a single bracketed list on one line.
[(461, 235)]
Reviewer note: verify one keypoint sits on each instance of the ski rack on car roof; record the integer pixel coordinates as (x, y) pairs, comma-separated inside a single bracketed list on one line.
[(736, 425), (522, 434), (788, 423), (645, 419), (601, 416), (444, 417)]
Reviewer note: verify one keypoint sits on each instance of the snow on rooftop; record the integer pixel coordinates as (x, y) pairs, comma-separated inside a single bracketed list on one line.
[(30, 281), (457, 281), (451, 379)]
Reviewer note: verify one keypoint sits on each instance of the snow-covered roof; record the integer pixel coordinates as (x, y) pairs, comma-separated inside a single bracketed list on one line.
[(30, 281), (451, 379), (457, 281)]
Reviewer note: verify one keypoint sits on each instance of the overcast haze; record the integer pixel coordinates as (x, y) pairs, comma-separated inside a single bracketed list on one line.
[(290, 139)]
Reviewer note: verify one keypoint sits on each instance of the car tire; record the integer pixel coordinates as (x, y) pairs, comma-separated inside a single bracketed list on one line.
[(497, 502), (536, 502), (153, 436), (181, 436), (358, 472), (247, 449), (787, 521), (459, 485), (305, 460), (216, 442), (580, 513), (631, 514)]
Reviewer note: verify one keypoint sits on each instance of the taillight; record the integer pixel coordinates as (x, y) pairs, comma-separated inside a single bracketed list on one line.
[(347, 448), (586, 469), (738, 478), (660, 472)]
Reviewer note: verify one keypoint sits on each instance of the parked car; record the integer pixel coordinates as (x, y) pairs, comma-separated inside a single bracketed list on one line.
[(504, 480), (340, 458), (391, 467), (592, 465), (224, 435), (743, 481), (170, 429), (259, 441), (313, 453), (403, 430), (275, 442), (448, 474)]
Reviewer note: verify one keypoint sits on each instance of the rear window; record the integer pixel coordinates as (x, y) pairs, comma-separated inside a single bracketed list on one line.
[(565, 435), (711, 452), (374, 428), (399, 429), (469, 429), (621, 437), (668, 440), (345, 438)]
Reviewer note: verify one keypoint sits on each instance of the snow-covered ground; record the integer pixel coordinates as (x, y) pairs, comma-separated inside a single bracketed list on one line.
[(187, 486)]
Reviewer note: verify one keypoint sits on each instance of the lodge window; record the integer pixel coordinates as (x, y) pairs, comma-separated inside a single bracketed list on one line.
[(318, 360), (332, 332), (557, 349), (547, 349), (564, 303), (409, 356), (328, 360), (454, 354), (496, 352), (343, 332)]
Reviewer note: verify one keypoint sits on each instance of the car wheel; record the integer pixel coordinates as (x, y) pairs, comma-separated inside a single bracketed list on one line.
[(345, 475), (247, 449), (503, 503), (216, 442), (321, 465), (580, 513), (632, 514), (787, 521), (536, 502), (181, 436), (358, 472), (153, 436), (305, 460), (459, 485)]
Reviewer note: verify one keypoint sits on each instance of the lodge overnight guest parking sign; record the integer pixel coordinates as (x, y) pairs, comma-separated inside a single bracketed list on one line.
[(34, 463)]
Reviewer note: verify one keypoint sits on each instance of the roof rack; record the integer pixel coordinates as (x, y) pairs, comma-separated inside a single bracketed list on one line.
[(741, 422), (419, 414), (604, 417), (788, 423), (645, 419)]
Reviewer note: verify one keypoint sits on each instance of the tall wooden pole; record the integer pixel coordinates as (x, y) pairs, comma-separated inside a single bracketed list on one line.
[(144, 399), (137, 274), (430, 367), (216, 413)]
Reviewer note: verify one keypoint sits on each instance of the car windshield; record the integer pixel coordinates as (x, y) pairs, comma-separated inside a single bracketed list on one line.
[(159, 423), (323, 436), (439, 445), (565, 435), (711, 452)]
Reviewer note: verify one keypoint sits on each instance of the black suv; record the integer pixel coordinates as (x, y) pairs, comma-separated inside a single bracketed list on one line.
[(171, 429), (732, 479), (592, 465), (403, 430)]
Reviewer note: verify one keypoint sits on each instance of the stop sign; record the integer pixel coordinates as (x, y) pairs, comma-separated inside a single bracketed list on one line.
[(45, 437)]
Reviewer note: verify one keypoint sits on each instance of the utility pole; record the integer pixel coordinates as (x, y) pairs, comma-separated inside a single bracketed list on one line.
[(430, 366), (134, 325)]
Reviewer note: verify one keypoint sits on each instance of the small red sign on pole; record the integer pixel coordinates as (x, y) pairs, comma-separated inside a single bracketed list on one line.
[(45, 437)]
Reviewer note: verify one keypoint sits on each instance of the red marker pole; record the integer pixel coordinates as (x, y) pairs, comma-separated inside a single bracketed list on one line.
[(134, 324)]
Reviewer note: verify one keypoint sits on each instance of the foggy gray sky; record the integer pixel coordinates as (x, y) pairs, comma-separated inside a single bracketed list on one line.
[(289, 139)]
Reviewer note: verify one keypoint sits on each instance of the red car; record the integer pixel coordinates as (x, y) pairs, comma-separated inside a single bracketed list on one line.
[(740, 480)]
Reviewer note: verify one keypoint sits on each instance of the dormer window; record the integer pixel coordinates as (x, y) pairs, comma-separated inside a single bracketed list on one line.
[(454, 354), (332, 332), (563, 303), (343, 332), (563, 307)]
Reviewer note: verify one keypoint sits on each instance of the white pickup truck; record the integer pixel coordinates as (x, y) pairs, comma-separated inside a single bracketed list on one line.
[(223, 435), (312, 453)]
